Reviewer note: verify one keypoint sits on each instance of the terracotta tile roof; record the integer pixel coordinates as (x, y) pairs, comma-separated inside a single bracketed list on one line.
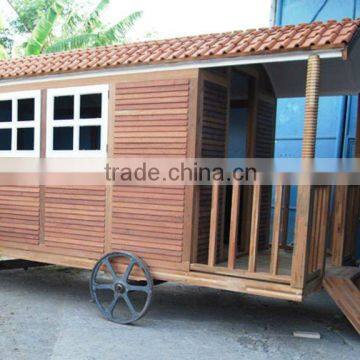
[(317, 35)]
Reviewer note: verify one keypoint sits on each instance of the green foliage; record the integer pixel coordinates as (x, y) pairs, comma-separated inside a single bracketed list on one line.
[(113, 35), (59, 25), (3, 52), (43, 29)]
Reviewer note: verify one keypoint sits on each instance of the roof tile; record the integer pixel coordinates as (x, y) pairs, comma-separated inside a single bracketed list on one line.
[(331, 34)]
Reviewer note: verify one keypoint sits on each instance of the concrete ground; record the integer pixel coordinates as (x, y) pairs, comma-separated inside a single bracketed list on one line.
[(45, 313)]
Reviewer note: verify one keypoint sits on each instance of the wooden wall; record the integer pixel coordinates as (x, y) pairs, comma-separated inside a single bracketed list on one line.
[(151, 119), (75, 220), (19, 216), (149, 115)]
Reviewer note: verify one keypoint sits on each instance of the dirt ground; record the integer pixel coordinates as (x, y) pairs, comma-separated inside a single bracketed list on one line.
[(46, 313)]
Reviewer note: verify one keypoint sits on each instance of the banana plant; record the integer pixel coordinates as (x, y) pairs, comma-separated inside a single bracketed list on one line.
[(62, 26), (43, 29), (3, 52), (90, 37)]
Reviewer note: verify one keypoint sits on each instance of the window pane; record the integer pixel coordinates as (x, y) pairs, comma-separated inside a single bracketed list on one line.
[(25, 139), (63, 138), (90, 106), (5, 110), (90, 137), (26, 109), (5, 139), (64, 107)]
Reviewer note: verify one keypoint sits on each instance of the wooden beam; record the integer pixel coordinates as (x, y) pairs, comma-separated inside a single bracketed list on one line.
[(357, 140), (305, 194), (234, 224), (254, 234), (110, 154), (214, 217), (339, 225), (42, 188), (191, 212), (302, 232), (324, 230), (285, 215), (274, 262)]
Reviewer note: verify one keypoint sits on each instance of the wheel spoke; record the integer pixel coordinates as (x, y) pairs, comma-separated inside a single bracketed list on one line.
[(129, 304), (110, 268), (111, 307), (104, 287), (128, 270)]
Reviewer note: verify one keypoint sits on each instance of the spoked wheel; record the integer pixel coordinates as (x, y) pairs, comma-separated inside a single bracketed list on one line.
[(119, 297)]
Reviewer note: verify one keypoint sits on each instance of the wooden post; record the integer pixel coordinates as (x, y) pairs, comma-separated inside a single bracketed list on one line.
[(304, 199), (311, 107), (357, 140), (234, 221), (254, 234), (214, 217), (285, 216), (339, 225), (345, 222), (274, 263)]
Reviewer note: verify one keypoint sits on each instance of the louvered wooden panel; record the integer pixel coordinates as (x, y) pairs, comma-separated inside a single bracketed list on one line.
[(75, 220), (151, 119), (19, 216), (264, 148), (213, 145)]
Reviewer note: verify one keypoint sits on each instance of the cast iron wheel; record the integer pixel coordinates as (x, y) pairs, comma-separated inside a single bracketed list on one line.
[(121, 286)]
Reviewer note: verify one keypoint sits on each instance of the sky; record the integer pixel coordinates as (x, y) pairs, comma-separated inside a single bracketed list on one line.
[(164, 18)]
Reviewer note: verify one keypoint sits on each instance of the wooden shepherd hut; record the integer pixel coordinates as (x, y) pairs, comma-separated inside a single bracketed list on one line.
[(206, 96)]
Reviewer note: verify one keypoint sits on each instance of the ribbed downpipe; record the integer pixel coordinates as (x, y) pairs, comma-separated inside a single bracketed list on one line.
[(311, 106)]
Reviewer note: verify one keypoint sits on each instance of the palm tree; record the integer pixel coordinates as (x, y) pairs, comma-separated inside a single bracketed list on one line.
[(61, 27)]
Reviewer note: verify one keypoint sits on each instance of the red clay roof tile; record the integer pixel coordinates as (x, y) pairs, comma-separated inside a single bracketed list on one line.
[(317, 35)]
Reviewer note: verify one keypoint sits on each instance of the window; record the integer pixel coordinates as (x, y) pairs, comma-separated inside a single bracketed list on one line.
[(77, 121), (20, 124)]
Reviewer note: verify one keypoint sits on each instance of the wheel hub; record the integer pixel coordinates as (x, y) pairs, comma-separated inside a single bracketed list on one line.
[(120, 288)]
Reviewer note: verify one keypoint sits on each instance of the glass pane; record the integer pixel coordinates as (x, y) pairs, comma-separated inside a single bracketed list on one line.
[(5, 110), (90, 106), (25, 139), (26, 109), (5, 139), (64, 107), (63, 138), (90, 137)]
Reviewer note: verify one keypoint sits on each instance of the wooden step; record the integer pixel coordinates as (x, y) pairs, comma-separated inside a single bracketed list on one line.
[(342, 285)]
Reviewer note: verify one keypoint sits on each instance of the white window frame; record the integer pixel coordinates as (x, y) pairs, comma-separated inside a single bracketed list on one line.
[(15, 124), (76, 122)]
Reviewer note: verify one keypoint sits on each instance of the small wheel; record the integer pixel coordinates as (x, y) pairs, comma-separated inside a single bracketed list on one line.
[(122, 304)]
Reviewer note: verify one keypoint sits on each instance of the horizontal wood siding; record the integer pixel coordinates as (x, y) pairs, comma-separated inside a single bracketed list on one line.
[(19, 216), (151, 119), (75, 220), (213, 145)]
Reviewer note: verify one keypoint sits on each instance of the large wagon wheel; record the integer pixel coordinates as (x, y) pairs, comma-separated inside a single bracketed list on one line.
[(119, 305)]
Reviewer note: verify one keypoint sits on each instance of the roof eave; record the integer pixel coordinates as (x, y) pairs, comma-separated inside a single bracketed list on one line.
[(183, 65)]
